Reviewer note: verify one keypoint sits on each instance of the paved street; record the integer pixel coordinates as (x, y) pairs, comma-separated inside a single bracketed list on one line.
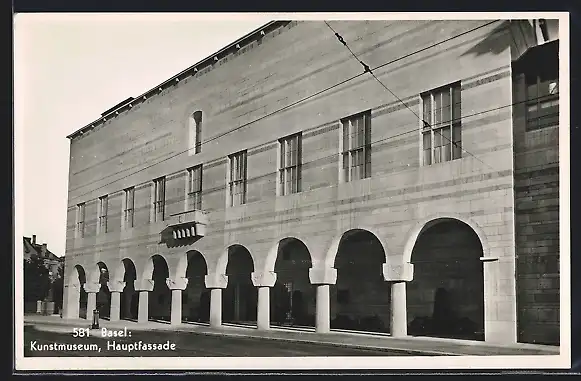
[(187, 344)]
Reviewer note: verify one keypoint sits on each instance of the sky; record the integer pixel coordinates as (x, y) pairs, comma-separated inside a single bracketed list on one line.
[(69, 68)]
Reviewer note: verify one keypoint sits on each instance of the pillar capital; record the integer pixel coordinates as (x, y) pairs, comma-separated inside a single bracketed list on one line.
[(214, 281), (323, 275), (92, 287), (115, 286), (177, 283), (144, 285), (398, 272), (263, 278)]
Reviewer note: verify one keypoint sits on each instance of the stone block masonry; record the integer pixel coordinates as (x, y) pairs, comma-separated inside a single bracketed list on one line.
[(399, 200)]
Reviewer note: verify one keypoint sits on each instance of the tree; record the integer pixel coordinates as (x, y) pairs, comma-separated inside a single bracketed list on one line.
[(36, 280), (58, 288)]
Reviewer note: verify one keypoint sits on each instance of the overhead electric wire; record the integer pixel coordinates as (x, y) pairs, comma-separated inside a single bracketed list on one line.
[(366, 69), (403, 133), (272, 113)]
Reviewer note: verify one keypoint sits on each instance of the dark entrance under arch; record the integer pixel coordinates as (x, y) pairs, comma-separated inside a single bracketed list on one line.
[(361, 298), (446, 296), (196, 298), (239, 302), (104, 295), (82, 293), (292, 299), (160, 297), (129, 297)]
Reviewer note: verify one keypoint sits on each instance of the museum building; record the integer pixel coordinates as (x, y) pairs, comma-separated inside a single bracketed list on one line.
[(410, 186)]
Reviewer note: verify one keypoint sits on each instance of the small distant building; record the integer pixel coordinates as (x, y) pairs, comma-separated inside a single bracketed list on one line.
[(51, 260)]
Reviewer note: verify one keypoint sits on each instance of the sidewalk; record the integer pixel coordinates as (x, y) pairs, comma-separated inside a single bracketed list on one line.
[(419, 345)]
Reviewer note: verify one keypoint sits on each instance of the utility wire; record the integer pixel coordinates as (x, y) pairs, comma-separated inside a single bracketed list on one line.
[(403, 133), (274, 112), (367, 70)]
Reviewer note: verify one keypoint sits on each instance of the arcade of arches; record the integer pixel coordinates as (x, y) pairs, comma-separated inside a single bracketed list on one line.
[(445, 297)]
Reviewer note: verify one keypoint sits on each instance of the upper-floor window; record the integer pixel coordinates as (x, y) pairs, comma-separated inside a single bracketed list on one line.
[(103, 206), (290, 164), (195, 132), (237, 180), (442, 125), (159, 199), (194, 190), (542, 100), (81, 220), (357, 146), (128, 207)]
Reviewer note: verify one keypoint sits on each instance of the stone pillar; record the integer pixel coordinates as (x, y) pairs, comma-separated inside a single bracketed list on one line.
[(143, 286), (116, 288), (398, 309), (215, 283), (71, 300), (322, 276), (92, 289), (143, 310), (398, 275), (263, 280), (215, 307), (176, 286), (323, 321)]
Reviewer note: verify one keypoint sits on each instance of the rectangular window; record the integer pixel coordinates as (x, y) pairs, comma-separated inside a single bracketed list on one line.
[(442, 125), (103, 206), (195, 188), (357, 146), (237, 181), (290, 164), (159, 199), (128, 207), (542, 100), (81, 220)]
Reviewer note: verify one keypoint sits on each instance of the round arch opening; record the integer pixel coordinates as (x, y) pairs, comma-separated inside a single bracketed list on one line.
[(196, 298), (159, 299), (292, 299), (104, 295), (240, 298), (446, 296), (83, 296), (361, 298), (129, 297)]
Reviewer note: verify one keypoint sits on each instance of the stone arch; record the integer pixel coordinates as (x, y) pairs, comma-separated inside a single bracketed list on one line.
[(184, 260), (428, 222), (148, 268), (360, 299), (292, 297), (446, 295), (159, 298), (196, 297), (272, 255), (336, 242), (127, 272), (78, 275), (240, 297), (222, 262), (78, 303), (104, 294)]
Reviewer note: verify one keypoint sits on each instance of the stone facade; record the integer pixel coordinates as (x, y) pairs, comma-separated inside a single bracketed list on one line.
[(240, 93)]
